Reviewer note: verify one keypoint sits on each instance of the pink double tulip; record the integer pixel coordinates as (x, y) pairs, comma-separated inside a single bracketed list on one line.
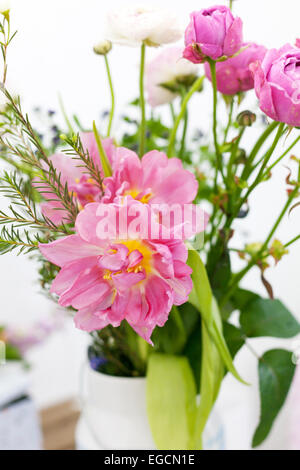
[(109, 279), (152, 179)]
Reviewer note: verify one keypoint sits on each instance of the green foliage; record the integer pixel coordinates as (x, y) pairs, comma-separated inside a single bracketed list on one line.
[(202, 298), (47, 273), (212, 373), (12, 353), (234, 337), (219, 267), (173, 337), (266, 317), (242, 297), (214, 352), (86, 162), (193, 351), (12, 240), (276, 371), (171, 401)]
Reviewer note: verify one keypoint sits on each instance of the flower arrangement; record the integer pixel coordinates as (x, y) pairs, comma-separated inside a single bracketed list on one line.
[(116, 226)]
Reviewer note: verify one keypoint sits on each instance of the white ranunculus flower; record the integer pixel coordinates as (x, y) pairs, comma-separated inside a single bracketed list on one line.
[(135, 25), (168, 67), (4, 6)]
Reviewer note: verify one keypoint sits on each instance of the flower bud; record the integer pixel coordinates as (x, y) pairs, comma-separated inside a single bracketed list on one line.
[(278, 250), (103, 47), (246, 118)]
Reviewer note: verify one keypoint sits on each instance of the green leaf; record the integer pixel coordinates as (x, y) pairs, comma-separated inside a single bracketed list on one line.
[(212, 373), (242, 297), (276, 371), (193, 351), (219, 268), (103, 157), (202, 298), (171, 339), (190, 317), (266, 317), (234, 338), (171, 401), (12, 353)]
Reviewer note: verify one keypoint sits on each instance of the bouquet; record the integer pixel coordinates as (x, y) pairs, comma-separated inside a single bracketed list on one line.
[(134, 232)]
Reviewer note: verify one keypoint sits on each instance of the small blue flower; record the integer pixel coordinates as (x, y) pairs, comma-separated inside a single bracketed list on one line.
[(96, 362)]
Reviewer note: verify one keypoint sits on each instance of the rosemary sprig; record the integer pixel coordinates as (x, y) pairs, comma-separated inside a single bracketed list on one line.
[(87, 162), (11, 239)]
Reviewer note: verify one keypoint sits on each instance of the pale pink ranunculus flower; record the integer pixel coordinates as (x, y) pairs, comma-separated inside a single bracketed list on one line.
[(134, 25), (277, 84), (234, 75), (167, 67), (115, 278), (212, 33), (71, 171)]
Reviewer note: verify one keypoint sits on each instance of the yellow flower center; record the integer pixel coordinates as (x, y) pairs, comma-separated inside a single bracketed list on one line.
[(145, 263), (134, 194)]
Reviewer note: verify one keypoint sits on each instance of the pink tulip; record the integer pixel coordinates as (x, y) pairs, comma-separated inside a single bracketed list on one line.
[(234, 75), (154, 179), (277, 84), (110, 278), (212, 33), (84, 188)]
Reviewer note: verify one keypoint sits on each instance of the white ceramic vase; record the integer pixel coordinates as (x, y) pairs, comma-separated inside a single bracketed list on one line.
[(114, 416)]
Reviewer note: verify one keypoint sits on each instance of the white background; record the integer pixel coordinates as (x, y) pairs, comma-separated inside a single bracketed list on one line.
[(53, 53)]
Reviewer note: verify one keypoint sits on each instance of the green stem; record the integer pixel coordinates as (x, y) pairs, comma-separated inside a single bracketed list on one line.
[(196, 86), (142, 102), (212, 65), (292, 241), (266, 160), (278, 221), (239, 276), (248, 168), (64, 113), (112, 110), (233, 155), (229, 120), (282, 156), (172, 112), (267, 157), (185, 126)]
